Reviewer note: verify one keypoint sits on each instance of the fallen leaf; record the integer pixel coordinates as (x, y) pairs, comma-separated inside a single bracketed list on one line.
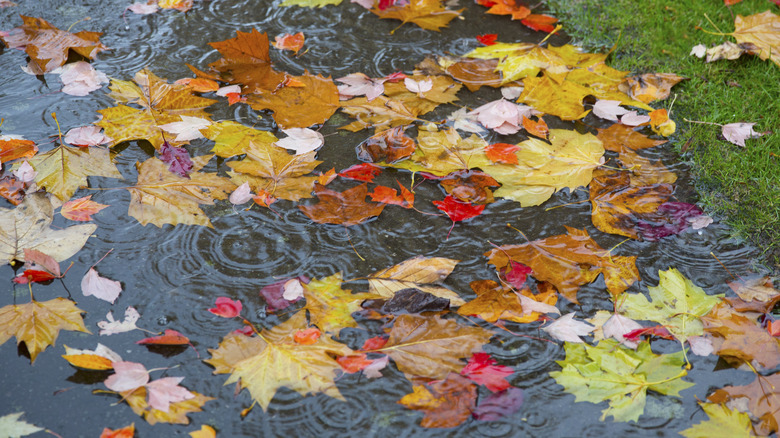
[(12, 426), (737, 133), (15, 148), (569, 261), (721, 421), (187, 129), (80, 78), (27, 226), (446, 403), (265, 363), (739, 338), (342, 208), (505, 7), (483, 370), (81, 209), (227, 308), (540, 22), (411, 300), (422, 273), (361, 172), (112, 327), (567, 329), (330, 307), (761, 397), (142, 9), (38, 323), (86, 136), (165, 391), (608, 109), (499, 405), (241, 195), (125, 432), (428, 14), (127, 376), (358, 84), (205, 431), (536, 128), (170, 337), (290, 42), (389, 146), (502, 153), (760, 30), (177, 412), (301, 140), (650, 87), (100, 287), (300, 107), (160, 197), (201, 85), (48, 46), (621, 376), (99, 359), (458, 211), (232, 138), (487, 39), (177, 159), (179, 5), (380, 113)]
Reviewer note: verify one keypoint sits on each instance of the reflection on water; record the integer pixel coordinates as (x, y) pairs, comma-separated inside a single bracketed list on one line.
[(172, 274)]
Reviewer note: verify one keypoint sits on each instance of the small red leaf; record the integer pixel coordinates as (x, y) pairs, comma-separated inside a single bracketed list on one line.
[(538, 129), (516, 274), (353, 364), (657, 330), (487, 39), (81, 209), (542, 23), (482, 369), (458, 211), (307, 336), (387, 195), (361, 172), (33, 276), (170, 337), (502, 153), (374, 343)]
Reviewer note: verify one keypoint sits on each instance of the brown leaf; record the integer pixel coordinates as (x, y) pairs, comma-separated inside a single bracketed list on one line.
[(446, 403), (739, 338), (443, 90), (344, 208), (763, 400), (37, 324), (387, 146), (470, 186), (12, 189), (495, 302), (16, 148), (421, 273), (569, 261), (473, 73), (762, 31), (432, 347), (48, 46), (651, 86), (300, 106), (616, 137), (380, 113), (428, 14)]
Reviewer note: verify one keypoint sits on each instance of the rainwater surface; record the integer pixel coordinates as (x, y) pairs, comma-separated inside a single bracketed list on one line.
[(173, 274)]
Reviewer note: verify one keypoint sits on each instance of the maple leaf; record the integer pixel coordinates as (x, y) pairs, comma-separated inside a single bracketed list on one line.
[(290, 42), (160, 103), (610, 372), (127, 431), (569, 261), (473, 73), (80, 78), (540, 22), (651, 86), (12, 426), (241, 195), (64, 169), (483, 369), (608, 109), (27, 226), (380, 113), (160, 197), (389, 146), (112, 327), (762, 401), (100, 287), (458, 211), (179, 5), (48, 46), (443, 152), (676, 303), (428, 14), (721, 421), (387, 195), (177, 411), (536, 128), (446, 403), (232, 138), (343, 208), (761, 31), (502, 153), (38, 323), (227, 308), (331, 307), (85, 136), (431, 347), (127, 376), (358, 84), (187, 129), (613, 325), (273, 359), (81, 209), (177, 159), (99, 359), (737, 133), (361, 172), (567, 329), (739, 338), (487, 39), (301, 140), (272, 170), (502, 116), (469, 186), (301, 106), (505, 7), (422, 273)]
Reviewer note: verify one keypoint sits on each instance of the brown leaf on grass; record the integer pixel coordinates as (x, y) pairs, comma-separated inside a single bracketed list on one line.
[(177, 411), (343, 208), (428, 14), (48, 46), (762, 397), (64, 169), (739, 338), (160, 103), (13, 149), (38, 323), (617, 206), (161, 197), (432, 347), (651, 86), (446, 403), (762, 31), (300, 106), (275, 172), (569, 261), (246, 61)]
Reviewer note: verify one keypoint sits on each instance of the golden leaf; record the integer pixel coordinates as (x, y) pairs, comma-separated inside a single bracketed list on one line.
[(65, 168)]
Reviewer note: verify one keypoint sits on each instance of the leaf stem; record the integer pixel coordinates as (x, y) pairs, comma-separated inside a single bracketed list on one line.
[(720, 32)]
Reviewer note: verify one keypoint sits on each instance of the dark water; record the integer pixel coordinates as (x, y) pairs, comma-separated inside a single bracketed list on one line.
[(173, 274)]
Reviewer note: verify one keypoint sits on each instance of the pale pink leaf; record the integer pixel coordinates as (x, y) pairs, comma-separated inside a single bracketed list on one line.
[(100, 287), (631, 118), (358, 84), (465, 122), (699, 222), (128, 376), (368, 4), (112, 327), (143, 9), (566, 328), (86, 136), (511, 93), (224, 91), (188, 129), (617, 326), (41, 259), (25, 172), (80, 78), (418, 87), (701, 345), (293, 289), (698, 51), (737, 133), (502, 116), (301, 140), (372, 371), (609, 109), (530, 306), (241, 195), (162, 392)]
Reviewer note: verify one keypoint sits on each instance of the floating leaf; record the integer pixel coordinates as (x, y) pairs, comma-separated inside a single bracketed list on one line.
[(343, 208), (446, 403), (301, 106), (420, 273), (428, 14), (65, 168)]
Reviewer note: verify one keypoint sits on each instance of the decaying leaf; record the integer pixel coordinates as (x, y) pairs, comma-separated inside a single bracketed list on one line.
[(419, 272), (446, 403), (343, 208), (740, 338), (428, 14), (760, 30), (330, 307)]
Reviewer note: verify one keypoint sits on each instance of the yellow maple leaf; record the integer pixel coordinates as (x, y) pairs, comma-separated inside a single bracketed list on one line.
[(272, 360), (177, 411), (762, 30), (331, 307), (300, 106), (419, 272), (65, 168), (380, 113), (428, 14), (161, 197), (443, 90), (232, 138), (38, 323)]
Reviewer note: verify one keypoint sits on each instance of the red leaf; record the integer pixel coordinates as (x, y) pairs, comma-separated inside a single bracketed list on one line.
[(353, 364), (516, 274), (125, 432), (542, 23), (307, 336), (502, 153), (227, 308), (482, 369), (81, 209), (538, 129), (374, 343), (487, 39), (170, 337), (657, 330), (458, 211), (387, 195), (33, 276), (361, 172)]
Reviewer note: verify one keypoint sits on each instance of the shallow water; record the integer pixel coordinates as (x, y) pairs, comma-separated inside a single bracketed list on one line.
[(173, 274)]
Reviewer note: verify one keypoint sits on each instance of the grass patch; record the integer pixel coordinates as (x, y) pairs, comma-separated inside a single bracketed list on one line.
[(739, 185)]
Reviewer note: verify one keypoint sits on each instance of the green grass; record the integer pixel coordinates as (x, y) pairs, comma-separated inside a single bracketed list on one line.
[(741, 186)]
